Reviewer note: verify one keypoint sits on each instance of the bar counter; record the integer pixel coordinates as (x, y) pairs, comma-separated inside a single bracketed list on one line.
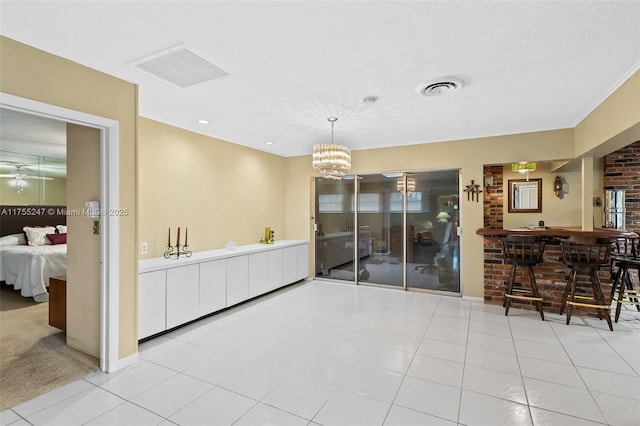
[(558, 232), (551, 275)]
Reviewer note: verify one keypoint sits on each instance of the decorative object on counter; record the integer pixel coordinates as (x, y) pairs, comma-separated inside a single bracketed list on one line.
[(269, 236), (557, 186), (231, 245), (179, 249), (473, 191), (332, 161)]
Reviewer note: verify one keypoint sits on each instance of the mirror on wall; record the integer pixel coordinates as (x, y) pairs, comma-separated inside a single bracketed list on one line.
[(29, 180), (525, 195)]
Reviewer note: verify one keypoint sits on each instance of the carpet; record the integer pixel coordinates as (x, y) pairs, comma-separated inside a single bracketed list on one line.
[(34, 357)]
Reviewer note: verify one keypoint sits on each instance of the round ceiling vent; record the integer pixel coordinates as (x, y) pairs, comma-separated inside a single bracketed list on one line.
[(441, 88)]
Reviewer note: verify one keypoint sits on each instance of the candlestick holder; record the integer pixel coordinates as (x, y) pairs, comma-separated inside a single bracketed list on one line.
[(177, 251)]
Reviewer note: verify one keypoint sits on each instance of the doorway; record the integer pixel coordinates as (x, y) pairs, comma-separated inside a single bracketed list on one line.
[(397, 230), (109, 225)]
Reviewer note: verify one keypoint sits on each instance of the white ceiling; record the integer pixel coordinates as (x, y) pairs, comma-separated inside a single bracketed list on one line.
[(528, 66)]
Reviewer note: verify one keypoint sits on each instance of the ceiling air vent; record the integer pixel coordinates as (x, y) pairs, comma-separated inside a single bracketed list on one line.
[(441, 88), (180, 67)]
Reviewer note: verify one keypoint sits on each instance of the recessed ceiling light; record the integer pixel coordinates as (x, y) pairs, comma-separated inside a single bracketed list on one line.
[(269, 143), (201, 121), (444, 86)]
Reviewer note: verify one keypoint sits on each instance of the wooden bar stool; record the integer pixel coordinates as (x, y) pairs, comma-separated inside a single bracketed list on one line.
[(625, 257), (525, 251), (587, 255)]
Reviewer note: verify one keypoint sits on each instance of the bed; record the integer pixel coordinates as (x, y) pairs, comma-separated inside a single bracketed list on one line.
[(28, 267)]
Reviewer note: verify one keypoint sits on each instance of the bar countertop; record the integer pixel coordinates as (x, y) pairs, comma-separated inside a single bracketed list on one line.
[(558, 232)]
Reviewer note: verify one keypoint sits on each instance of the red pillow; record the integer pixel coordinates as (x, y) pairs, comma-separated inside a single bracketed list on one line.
[(57, 238)]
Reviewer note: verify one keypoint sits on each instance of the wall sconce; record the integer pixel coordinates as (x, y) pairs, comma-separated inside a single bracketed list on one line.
[(488, 181), (557, 186)]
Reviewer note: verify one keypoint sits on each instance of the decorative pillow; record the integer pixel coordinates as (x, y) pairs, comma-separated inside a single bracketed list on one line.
[(57, 238), (13, 240), (38, 236), (62, 229)]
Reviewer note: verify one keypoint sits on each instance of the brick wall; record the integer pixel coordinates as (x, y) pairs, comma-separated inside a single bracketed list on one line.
[(622, 171)]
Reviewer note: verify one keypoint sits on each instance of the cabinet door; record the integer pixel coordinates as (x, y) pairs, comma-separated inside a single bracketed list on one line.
[(213, 286), (237, 279), (289, 265), (183, 294), (302, 259), (257, 274), (152, 299), (275, 278)]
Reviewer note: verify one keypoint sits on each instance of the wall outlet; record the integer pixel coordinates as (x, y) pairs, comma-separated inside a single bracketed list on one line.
[(144, 248)]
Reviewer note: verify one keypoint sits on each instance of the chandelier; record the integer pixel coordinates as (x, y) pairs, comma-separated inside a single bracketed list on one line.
[(411, 185), (332, 161)]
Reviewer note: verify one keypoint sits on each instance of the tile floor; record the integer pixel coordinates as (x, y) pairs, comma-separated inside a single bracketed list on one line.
[(335, 354)]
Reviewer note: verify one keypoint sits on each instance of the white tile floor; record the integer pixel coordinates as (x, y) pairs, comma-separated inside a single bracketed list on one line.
[(336, 354)]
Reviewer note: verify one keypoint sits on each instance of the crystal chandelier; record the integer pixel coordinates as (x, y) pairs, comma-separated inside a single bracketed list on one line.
[(332, 161)]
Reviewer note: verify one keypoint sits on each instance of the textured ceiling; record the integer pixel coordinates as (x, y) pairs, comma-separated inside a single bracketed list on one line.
[(528, 66)]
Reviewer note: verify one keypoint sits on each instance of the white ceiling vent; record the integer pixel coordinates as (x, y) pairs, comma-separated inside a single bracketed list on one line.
[(441, 88), (179, 66)]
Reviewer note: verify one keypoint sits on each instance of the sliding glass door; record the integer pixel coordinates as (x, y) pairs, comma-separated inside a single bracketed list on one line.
[(433, 256), (379, 217), (390, 229), (334, 225)]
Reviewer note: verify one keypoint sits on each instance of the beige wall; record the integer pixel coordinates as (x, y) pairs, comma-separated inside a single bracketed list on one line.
[(37, 192), (83, 247), (218, 189), (37, 75), (564, 211), (619, 114)]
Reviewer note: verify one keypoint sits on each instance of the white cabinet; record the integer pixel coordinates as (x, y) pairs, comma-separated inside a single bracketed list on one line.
[(289, 264), (172, 292), (302, 262), (296, 263), (183, 294), (275, 279), (257, 274), (213, 286), (152, 299), (237, 279)]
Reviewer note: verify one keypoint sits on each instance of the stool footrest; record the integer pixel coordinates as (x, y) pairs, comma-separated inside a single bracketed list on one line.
[(589, 305), (516, 296), (627, 302)]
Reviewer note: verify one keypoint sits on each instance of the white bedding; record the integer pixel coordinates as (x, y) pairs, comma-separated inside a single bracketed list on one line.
[(28, 268)]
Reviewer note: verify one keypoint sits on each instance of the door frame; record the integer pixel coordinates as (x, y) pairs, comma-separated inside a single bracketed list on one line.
[(110, 224)]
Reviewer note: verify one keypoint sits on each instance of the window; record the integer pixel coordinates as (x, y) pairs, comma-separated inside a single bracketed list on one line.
[(330, 203), (414, 202)]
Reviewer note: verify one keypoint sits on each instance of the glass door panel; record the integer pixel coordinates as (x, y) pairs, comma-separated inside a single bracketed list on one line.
[(433, 256), (335, 229), (380, 230)]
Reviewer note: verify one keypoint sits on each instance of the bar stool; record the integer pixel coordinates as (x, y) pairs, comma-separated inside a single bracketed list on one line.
[(585, 254), (526, 251), (625, 256)]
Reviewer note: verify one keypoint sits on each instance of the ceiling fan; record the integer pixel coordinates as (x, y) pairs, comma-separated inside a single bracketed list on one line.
[(20, 175)]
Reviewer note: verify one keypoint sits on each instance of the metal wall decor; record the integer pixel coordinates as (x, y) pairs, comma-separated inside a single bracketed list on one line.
[(473, 191)]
